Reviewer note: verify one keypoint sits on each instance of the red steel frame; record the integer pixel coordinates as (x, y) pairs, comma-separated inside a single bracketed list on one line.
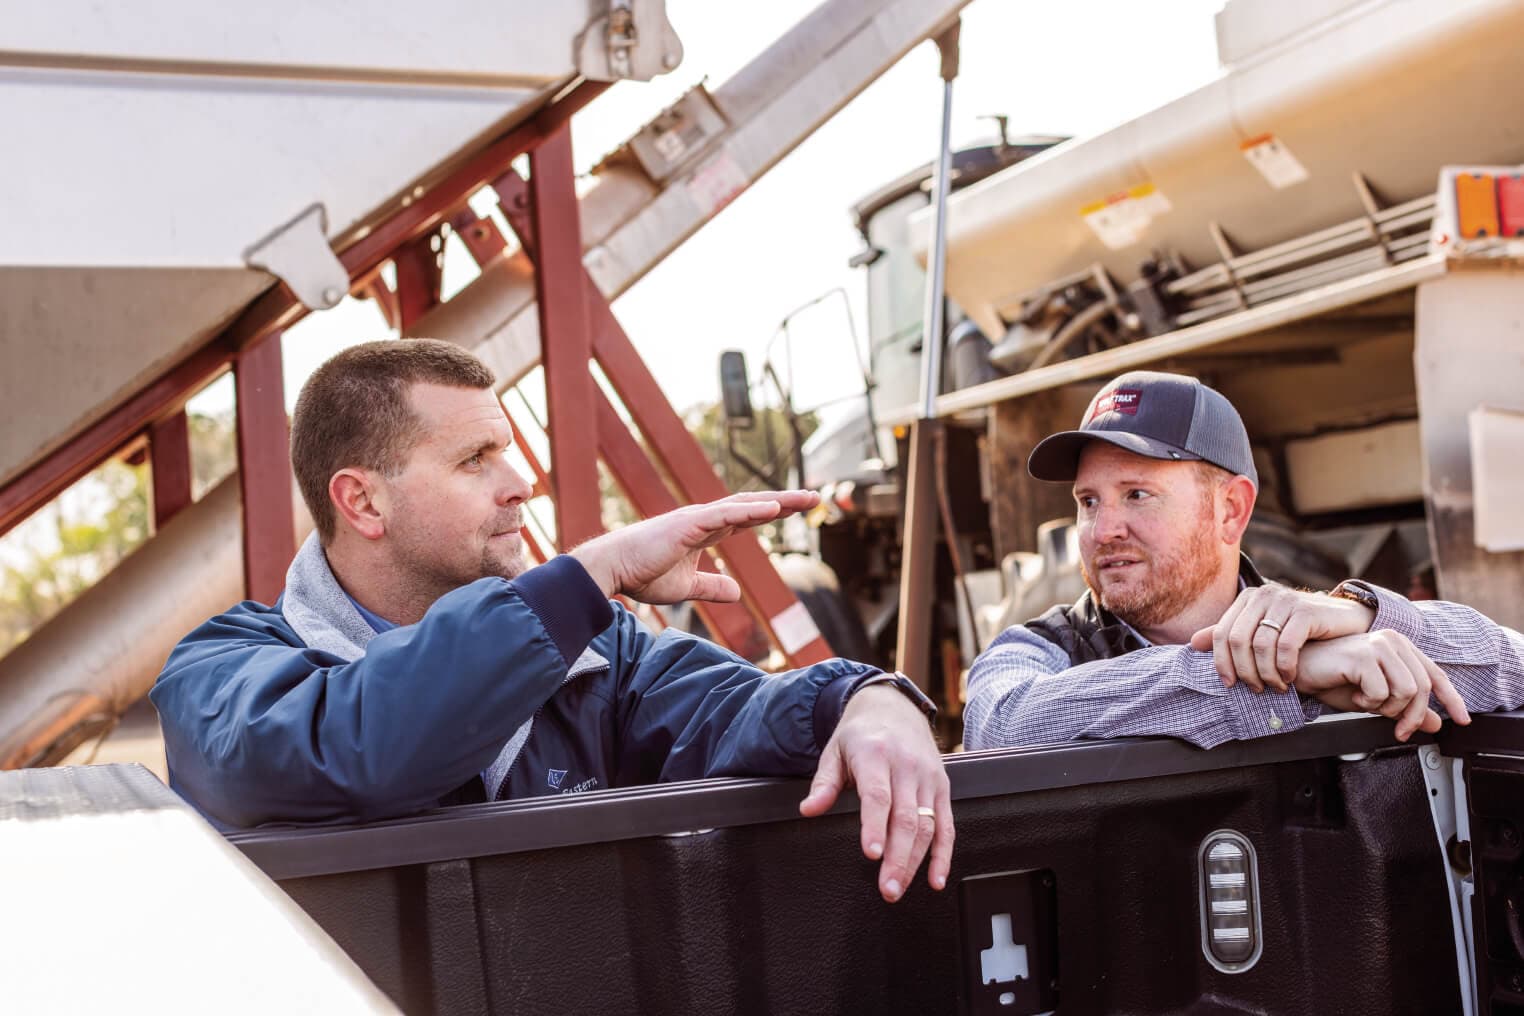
[(565, 345), (264, 470), (577, 325), (169, 459), (420, 271)]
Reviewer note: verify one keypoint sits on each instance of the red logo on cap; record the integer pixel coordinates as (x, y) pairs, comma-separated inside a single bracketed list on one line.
[(1120, 400)]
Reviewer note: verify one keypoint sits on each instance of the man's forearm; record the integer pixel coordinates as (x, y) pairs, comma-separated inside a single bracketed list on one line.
[(1023, 693)]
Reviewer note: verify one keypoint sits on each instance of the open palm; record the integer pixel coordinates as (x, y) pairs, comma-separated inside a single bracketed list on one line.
[(657, 561)]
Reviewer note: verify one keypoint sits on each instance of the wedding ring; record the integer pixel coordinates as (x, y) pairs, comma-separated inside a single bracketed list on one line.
[(1269, 623), (926, 812)]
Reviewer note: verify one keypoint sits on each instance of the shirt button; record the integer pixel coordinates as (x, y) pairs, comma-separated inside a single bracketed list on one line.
[(1275, 723)]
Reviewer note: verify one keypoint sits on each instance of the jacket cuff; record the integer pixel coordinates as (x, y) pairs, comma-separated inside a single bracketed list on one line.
[(568, 603), (832, 702)]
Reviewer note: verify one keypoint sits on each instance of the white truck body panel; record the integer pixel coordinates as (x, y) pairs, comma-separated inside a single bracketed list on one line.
[(1390, 90)]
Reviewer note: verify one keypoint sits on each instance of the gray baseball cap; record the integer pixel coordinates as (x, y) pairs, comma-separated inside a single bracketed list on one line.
[(1157, 415)]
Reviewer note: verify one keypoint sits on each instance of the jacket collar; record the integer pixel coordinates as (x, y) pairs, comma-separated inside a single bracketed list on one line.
[(316, 607)]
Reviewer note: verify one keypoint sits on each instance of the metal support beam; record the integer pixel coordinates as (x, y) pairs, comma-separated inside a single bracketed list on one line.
[(918, 585), (264, 470), (420, 272), (481, 236), (565, 347), (169, 460), (375, 288)]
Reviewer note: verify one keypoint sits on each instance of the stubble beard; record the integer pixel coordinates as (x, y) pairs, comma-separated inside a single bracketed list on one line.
[(432, 573), (504, 566), (1174, 583)]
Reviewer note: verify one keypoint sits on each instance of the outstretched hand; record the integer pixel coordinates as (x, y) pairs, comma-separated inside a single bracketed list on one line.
[(657, 560), (883, 746)]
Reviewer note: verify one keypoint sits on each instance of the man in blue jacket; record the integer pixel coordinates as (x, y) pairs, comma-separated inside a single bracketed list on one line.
[(415, 659)]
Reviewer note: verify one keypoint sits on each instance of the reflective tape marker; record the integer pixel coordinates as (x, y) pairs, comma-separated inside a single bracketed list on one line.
[(794, 627)]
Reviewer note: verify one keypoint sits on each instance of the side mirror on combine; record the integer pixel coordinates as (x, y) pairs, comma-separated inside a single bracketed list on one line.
[(735, 390)]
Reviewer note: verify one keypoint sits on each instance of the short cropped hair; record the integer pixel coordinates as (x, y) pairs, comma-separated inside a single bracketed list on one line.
[(353, 412), (1211, 476)]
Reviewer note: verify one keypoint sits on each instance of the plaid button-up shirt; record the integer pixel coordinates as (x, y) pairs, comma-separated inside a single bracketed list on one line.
[(1022, 690)]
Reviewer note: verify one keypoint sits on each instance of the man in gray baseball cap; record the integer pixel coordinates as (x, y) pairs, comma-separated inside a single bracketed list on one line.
[(1179, 635)]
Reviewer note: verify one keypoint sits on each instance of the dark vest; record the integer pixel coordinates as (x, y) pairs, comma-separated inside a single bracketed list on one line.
[(1087, 632)]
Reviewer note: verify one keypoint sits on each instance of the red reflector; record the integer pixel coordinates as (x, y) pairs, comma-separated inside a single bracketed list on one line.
[(1511, 204), (843, 496)]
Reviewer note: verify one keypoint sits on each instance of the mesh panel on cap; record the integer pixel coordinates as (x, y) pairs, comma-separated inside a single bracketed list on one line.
[(1217, 434)]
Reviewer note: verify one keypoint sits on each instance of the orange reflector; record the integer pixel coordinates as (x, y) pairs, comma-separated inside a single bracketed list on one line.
[(1476, 205)]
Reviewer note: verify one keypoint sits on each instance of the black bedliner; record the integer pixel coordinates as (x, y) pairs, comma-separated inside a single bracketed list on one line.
[(715, 896)]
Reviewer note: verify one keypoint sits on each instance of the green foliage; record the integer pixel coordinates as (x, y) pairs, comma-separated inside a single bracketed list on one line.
[(214, 450), (69, 545), (75, 541), (768, 444)]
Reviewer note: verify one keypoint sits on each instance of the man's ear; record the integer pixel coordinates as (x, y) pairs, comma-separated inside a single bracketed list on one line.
[(354, 496), (1236, 505)]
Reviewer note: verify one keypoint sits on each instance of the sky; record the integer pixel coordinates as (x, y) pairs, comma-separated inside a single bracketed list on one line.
[(1072, 68)]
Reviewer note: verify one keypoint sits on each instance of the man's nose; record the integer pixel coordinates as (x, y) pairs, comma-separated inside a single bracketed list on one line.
[(512, 488), (1110, 524)]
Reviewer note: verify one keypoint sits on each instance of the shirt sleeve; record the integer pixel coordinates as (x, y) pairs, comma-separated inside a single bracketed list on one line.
[(1483, 659), (1022, 691)]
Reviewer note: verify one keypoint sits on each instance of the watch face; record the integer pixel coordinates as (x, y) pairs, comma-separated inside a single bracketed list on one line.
[(1358, 593)]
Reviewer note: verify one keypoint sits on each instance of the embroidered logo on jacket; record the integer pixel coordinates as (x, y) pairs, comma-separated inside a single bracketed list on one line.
[(553, 778)]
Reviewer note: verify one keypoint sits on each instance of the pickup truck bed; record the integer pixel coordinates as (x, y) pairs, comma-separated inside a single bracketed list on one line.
[(716, 897)]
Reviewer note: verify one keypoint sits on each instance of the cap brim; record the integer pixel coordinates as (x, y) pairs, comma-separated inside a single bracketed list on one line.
[(1057, 457)]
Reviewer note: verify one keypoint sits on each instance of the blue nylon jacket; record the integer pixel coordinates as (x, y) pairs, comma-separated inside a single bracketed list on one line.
[(259, 727)]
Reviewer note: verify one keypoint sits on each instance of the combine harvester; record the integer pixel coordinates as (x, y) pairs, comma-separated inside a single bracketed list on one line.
[(1329, 870)]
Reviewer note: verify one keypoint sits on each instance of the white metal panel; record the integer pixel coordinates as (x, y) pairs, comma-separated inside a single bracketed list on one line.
[(1144, 352), (174, 172), (1246, 28), (171, 917), (1469, 353), (1364, 468), (1497, 482), (523, 43)]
